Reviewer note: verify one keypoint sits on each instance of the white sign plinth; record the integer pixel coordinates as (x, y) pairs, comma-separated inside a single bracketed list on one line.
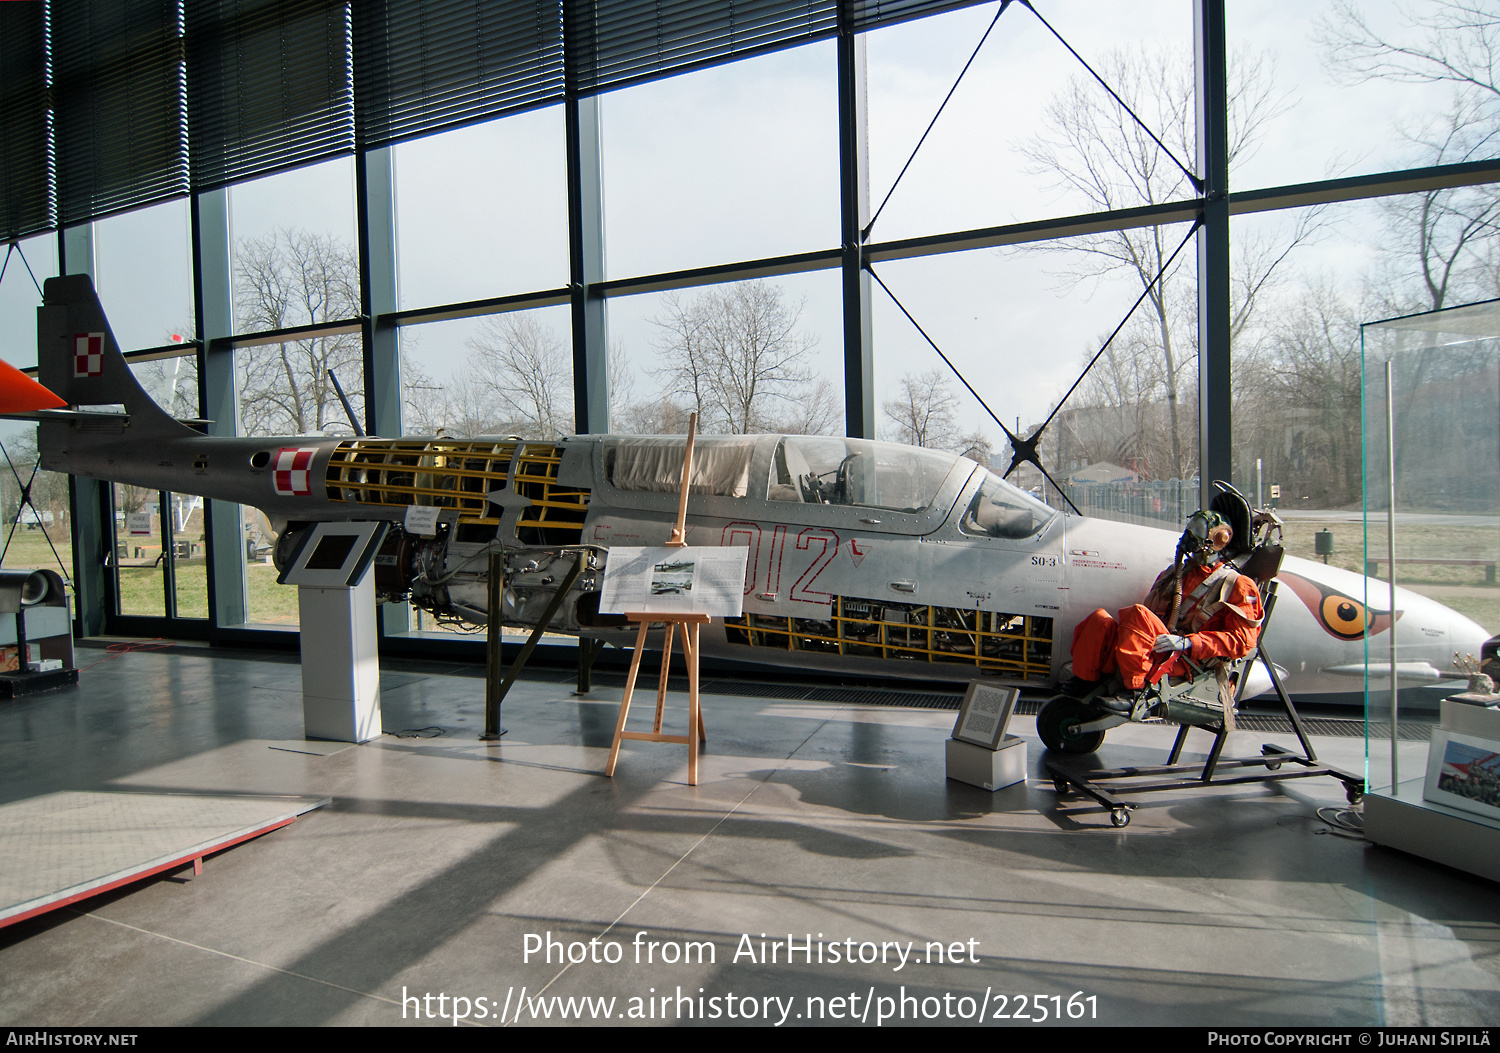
[(340, 665), (988, 769)]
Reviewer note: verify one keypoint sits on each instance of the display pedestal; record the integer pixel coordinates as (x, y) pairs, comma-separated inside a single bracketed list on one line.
[(1463, 840), (340, 666), (988, 769)]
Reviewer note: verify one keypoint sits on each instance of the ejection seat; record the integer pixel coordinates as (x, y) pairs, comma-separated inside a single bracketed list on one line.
[(1207, 699)]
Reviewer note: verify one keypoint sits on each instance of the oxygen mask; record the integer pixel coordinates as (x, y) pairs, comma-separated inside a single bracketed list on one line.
[(1205, 537)]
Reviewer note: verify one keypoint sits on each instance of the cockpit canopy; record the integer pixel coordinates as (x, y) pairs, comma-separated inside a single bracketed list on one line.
[(821, 469), (1003, 510), (826, 470)]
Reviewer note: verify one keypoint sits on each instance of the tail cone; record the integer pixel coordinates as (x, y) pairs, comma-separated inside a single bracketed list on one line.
[(20, 394)]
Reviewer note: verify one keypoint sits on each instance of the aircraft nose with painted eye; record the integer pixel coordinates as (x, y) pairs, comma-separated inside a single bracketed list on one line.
[(1342, 623)]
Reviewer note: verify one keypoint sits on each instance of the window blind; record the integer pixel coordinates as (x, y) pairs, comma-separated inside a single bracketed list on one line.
[(268, 86), (424, 65), (26, 163)]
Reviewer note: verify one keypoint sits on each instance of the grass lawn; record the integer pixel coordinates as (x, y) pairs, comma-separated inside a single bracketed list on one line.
[(1464, 589)]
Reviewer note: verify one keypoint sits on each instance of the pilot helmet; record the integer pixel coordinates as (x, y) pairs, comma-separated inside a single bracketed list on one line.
[(1205, 537)]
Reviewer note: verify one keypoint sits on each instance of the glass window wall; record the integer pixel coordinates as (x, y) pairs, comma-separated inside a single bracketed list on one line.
[(731, 163), (1028, 132), (28, 264), (502, 374), (148, 304), (483, 211), (1352, 89), (754, 356)]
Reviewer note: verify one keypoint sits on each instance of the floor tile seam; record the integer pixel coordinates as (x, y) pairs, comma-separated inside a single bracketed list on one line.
[(237, 958), (757, 785)]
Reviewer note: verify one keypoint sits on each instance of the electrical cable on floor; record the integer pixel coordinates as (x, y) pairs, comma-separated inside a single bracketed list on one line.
[(115, 650), (431, 731), (1348, 823)]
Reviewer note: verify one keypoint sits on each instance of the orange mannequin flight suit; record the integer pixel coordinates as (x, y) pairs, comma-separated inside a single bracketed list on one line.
[(1221, 621)]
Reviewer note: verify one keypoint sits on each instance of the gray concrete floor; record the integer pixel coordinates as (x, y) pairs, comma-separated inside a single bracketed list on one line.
[(440, 855)]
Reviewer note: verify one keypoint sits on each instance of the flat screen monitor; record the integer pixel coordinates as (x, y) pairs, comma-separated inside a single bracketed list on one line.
[(334, 555)]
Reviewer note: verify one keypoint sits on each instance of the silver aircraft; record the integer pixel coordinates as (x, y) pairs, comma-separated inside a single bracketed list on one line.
[(864, 557)]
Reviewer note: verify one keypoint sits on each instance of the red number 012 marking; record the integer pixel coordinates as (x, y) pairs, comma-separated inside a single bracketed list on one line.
[(751, 533), (829, 542)]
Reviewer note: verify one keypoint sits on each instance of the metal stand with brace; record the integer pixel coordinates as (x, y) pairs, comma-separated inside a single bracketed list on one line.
[(1070, 725)]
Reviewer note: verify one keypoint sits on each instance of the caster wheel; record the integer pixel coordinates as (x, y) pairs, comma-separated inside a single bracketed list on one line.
[(1354, 794), (1120, 816), (1273, 767), (1061, 786), (1058, 718)]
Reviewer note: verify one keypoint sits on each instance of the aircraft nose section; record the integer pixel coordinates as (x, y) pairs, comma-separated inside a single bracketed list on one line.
[(1428, 629), (1468, 637)]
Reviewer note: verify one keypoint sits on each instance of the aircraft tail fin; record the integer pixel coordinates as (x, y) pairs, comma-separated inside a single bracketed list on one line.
[(79, 360)]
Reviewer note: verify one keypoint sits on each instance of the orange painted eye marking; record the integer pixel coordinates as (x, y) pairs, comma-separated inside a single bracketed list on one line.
[(1342, 617)]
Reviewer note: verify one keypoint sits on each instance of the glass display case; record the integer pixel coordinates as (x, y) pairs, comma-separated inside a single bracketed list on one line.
[(1431, 405)]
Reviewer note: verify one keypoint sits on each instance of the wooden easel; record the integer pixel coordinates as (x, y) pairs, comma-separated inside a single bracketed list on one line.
[(690, 624)]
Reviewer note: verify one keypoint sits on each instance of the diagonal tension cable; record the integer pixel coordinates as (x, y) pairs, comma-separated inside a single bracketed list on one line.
[(1138, 301), (1016, 443), (23, 503), (865, 234), (15, 246), (1024, 451), (1197, 183)]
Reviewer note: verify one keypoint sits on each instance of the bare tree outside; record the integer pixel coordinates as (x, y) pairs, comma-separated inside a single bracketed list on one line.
[(1093, 148), (1300, 399), (1445, 245), (736, 355), (1453, 41), (923, 411), (517, 379), (524, 372), (172, 382), (292, 278)]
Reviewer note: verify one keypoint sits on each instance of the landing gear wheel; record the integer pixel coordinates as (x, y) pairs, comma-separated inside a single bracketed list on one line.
[(1120, 816), (1057, 720)]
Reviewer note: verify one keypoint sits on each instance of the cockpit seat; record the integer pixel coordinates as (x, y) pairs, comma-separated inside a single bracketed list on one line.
[(997, 520)]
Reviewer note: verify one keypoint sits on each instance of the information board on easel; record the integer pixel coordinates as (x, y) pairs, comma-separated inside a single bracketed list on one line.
[(663, 588)]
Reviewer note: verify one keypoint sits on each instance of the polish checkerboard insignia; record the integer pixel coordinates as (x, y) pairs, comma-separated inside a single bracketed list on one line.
[(292, 473), (88, 354)]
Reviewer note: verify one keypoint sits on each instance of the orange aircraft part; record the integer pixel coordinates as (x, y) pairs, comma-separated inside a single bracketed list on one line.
[(20, 394)]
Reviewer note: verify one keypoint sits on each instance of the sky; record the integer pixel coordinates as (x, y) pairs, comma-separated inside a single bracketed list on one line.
[(740, 161)]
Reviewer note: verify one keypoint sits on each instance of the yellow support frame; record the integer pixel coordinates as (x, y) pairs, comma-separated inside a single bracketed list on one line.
[(924, 633), (450, 473), (536, 478)]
